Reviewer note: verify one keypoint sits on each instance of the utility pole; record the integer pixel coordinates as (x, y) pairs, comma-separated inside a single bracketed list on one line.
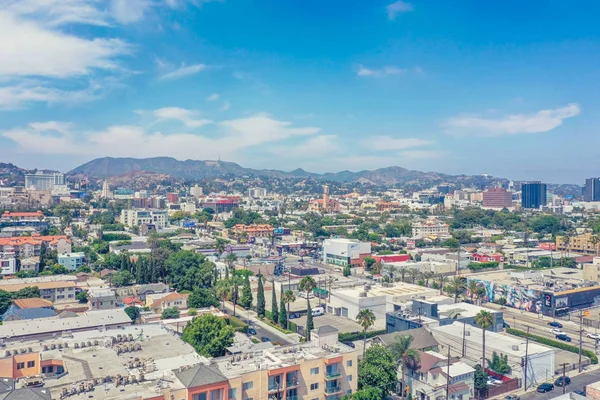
[(564, 385), (448, 376), (580, 338), (526, 357), (464, 342)]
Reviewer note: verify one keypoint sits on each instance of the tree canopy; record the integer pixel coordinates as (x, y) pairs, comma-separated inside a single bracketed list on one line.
[(209, 335)]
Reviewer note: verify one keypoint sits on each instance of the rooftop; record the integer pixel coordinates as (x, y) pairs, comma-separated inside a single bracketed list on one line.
[(556, 279), (32, 303)]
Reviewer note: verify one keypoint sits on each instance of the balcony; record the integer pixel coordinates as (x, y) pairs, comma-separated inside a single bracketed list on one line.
[(332, 374), (292, 398), (333, 390), (292, 383), (275, 387)]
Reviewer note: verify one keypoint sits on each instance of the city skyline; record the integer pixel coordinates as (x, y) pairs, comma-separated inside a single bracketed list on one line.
[(481, 88)]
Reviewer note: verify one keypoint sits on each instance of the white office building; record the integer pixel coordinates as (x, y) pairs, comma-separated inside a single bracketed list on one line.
[(345, 251), (136, 217), (196, 191), (43, 181)]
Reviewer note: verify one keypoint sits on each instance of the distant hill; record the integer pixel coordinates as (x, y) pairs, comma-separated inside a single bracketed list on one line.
[(11, 175), (108, 167)]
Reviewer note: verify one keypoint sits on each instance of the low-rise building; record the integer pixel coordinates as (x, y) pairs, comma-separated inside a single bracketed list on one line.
[(344, 252), (579, 244), (137, 217), (30, 308), (72, 261), (56, 288), (102, 299), (430, 227), (252, 231), (8, 261), (161, 302)]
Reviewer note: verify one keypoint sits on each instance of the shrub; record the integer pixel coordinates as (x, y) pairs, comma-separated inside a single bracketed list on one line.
[(555, 343), (352, 336)]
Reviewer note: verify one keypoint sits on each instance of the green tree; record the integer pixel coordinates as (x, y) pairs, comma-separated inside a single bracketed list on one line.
[(287, 298), (365, 319), (122, 278), (260, 298), (5, 301), (308, 284), (369, 262), (170, 313), (405, 356), (209, 335), (223, 291), (457, 287), (441, 281), (370, 393), (187, 270), (274, 305), (377, 369), (246, 299), (82, 296), (282, 314), (499, 363), (202, 298), (484, 319), (347, 271), (481, 378), (310, 324), (133, 312)]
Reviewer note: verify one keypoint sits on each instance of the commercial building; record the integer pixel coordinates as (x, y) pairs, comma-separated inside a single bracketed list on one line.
[(172, 197), (72, 261), (221, 204), (257, 192), (579, 244), (592, 189), (430, 227), (533, 195), (344, 252), (250, 232), (550, 292), (591, 271), (44, 181), (132, 218), (497, 198), (469, 340)]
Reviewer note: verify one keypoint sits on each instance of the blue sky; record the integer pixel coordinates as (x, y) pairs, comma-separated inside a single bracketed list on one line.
[(507, 88)]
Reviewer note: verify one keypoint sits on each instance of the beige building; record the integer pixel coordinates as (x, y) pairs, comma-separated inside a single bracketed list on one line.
[(591, 272), (578, 244), (61, 289), (160, 302), (430, 227)]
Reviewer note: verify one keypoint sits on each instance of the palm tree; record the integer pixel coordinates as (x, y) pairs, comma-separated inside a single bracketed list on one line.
[(220, 247), (288, 297), (403, 271), (458, 285), (223, 291), (442, 280), (594, 240), (484, 319), (472, 288), (231, 258), (365, 319), (392, 270), (427, 275), (307, 284), (414, 274), (406, 358)]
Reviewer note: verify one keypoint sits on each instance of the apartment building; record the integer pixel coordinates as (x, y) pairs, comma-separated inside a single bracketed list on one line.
[(8, 261), (253, 231), (430, 227), (102, 299), (72, 261), (57, 288), (578, 244), (133, 218), (30, 246)]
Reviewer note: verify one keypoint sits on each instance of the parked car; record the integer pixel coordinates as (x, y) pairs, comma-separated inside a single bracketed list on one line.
[(580, 392), (493, 381), (557, 331), (294, 316), (512, 397), (594, 336), (555, 324), (351, 344), (563, 337), (265, 339), (337, 269), (318, 311), (545, 388), (559, 381), (251, 331)]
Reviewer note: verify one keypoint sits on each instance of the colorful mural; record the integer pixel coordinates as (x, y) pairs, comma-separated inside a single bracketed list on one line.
[(516, 296)]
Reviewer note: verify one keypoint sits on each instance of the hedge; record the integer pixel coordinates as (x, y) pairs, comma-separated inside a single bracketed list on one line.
[(113, 237), (555, 343), (352, 336), (237, 324), (483, 265)]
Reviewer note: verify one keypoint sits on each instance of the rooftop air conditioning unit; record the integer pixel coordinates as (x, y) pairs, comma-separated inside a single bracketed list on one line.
[(515, 347), (362, 294)]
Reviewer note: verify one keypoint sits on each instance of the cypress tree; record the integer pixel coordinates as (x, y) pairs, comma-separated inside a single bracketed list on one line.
[(138, 270), (260, 298), (309, 322), (274, 306), (246, 300), (282, 315)]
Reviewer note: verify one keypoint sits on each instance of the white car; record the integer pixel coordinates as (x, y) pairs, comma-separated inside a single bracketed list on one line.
[(493, 381), (594, 336), (337, 269), (557, 331)]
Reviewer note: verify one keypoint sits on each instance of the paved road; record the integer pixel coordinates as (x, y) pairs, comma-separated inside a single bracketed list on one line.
[(577, 383), (274, 335)]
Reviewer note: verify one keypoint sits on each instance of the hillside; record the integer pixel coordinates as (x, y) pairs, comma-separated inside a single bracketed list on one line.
[(196, 169), (11, 175)]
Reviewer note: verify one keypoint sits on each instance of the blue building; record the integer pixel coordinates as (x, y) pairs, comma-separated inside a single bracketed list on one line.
[(72, 261)]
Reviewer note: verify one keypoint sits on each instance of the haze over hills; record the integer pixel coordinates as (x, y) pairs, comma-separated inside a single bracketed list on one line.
[(199, 169)]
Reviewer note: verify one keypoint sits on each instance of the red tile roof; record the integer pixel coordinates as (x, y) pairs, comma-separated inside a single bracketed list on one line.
[(33, 240)]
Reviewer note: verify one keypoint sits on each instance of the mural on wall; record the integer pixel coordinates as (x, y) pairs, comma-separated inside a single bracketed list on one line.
[(516, 296)]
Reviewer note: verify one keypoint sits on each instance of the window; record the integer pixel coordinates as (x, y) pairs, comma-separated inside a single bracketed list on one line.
[(314, 386), (20, 365), (349, 363), (314, 371), (349, 378), (247, 385), (200, 396), (232, 393), (30, 364)]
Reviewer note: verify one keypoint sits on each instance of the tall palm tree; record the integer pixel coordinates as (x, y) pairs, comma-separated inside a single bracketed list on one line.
[(403, 271), (594, 240), (441, 281), (484, 319), (472, 288), (223, 291), (392, 270), (307, 284), (427, 275), (365, 319), (230, 258), (414, 274), (220, 247), (458, 285), (406, 358), (288, 297)]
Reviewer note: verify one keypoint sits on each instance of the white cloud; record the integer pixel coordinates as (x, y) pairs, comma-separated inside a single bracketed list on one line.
[(541, 121), (420, 154), (398, 7), (19, 95), (313, 147), (213, 97), (228, 139), (383, 143), (197, 3), (128, 11), (182, 115), (226, 106), (183, 71), (384, 71), (58, 12)]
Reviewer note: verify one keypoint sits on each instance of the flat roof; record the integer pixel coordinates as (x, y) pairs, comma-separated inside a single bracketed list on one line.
[(563, 279), (464, 309), (395, 289)]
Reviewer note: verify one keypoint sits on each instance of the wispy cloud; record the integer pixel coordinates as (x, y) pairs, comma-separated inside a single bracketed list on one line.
[(421, 154), (187, 117), (183, 71), (213, 97), (541, 121), (129, 11), (384, 143), (226, 106), (398, 7), (385, 71)]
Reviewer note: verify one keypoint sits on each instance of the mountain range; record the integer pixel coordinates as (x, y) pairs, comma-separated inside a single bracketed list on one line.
[(108, 167)]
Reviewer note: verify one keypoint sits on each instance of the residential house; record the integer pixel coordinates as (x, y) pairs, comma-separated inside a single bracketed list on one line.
[(31, 308), (102, 299), (170, 300)]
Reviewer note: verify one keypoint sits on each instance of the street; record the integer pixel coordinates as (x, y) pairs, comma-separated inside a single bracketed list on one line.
[(274, 335), (577, 383)]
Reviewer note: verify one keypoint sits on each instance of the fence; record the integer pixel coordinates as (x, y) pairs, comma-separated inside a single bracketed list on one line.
[(572, 367), (505, 387)]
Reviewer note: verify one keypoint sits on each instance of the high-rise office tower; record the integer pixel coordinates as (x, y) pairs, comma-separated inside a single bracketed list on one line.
[(592, 189), (533, 195)]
